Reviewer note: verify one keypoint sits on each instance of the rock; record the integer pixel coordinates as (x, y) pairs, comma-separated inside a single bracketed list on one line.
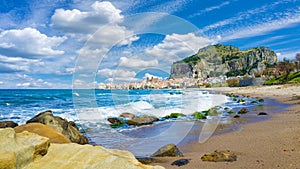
[(144, 120), (261, 100), (199, 115), (43, 130), (127, 115), (30, 151), (169, 150), (241, 101), (181, 162), (174, 115), (4, 124), (220, 156), (262, 114), (115, 122), (20, 149), (236, 116), (72, 155), (243, 111), (8, 160), (231, 112), (61, 125), (217, 60), (147, 160)]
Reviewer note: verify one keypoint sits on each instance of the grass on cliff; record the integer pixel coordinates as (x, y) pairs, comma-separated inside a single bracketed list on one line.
[(292, 78)]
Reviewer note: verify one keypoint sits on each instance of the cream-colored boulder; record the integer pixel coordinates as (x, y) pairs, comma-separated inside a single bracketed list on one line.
[(22, 148), (43, 130), (8, 160), (70, 156)]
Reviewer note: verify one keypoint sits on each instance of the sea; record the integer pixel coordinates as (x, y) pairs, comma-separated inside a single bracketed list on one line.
[(89, 109)]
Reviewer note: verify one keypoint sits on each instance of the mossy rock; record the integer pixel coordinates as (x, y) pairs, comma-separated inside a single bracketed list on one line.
[(231, 112), (199, 115), (117, 125), (254, 102), (243, 111), (241, 101), (176, 115), (261, 100)]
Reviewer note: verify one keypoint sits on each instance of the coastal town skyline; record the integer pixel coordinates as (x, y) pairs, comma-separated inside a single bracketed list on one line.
[(41, 42)]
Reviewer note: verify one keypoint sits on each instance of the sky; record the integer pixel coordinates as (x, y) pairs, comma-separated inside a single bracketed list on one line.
[(83, 43)]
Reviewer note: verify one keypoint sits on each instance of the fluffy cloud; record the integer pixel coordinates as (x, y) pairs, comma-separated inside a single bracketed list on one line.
[(17, 64), (76, 21), (177, 46), (117, 74), (28, 43), (135, 62)]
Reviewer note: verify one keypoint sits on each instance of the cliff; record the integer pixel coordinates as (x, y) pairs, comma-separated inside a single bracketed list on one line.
[(217, 60)]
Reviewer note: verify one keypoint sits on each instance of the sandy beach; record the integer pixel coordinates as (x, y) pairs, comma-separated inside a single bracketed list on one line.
[(272, 143)]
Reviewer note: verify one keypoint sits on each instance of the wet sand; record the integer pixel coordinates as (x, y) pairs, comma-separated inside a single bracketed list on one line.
[(271, 143)]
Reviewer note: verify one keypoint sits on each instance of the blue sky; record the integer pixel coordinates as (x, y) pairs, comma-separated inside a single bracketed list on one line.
[(74, 43)]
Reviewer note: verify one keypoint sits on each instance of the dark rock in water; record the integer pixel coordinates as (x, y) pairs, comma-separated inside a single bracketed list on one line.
[(127, 115), (5, 124), (147, 160), (144, 120), (236, 116), (262, 114), (199, 115), (61, 125), (243, 111), (174, 115), (114, 120), (220, 156), (181, 162), (169, 150), (261, 100)]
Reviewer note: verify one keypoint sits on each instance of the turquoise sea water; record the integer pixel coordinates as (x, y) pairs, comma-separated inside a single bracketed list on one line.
[(91, 108)]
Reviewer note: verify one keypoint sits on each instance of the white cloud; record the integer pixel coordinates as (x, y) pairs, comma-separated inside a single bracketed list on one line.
[(150, 76), (76, 21), (117, 75), (17, 64), (28, 43), (243, 15), (177, 46), (268, 26), (210, 9), (1, 83), (135, 62), (112, 34)]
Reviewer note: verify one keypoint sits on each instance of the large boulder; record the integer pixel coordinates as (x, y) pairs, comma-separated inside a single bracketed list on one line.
[(30, 151), (20, 149), (169, 150), (43, 130), (61, 125), (144, 120), (69, 156), (220, 156), (5, 124)]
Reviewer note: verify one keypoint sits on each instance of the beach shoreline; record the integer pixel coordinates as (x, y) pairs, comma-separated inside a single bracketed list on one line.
[(272, 143)]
